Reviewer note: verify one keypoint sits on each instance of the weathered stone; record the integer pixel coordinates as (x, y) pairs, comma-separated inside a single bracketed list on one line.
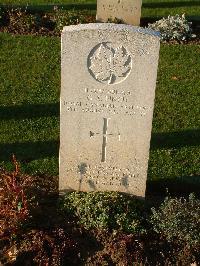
[(107, 98), (127, 11)]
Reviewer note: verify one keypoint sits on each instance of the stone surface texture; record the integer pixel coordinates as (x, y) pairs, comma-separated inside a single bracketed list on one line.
[(107, 99), (128, 11)]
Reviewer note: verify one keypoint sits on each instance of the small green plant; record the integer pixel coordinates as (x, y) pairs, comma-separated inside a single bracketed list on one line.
[(105, 210), (178, 220), (70, 17), (173, 28)]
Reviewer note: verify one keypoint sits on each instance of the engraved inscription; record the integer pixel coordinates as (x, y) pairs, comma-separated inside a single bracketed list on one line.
[(109, 175), (109, 64), (111, 101), (111, 108), (105, 136), (119, 7)]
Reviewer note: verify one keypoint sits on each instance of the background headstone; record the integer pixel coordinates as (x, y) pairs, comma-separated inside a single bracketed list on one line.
[(107, 98), (127, 11)]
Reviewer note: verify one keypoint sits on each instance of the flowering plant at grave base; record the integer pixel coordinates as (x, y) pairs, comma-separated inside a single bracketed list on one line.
[(173, 28), (178, 219), (105, 210)]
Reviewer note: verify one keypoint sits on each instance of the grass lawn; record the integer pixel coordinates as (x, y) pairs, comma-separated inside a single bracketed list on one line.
[(150, 8), (29, 108)]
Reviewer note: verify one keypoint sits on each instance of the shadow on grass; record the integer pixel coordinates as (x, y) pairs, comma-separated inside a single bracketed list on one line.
[(175, 187), (175, 139), (28, 151), (171, 4), (93, 6), (50, 7), (29, 111)]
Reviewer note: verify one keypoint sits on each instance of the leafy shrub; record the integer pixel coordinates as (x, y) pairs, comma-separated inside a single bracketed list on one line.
[(70, 17), (105, 210), (13, 203), (173, 28), (20, 21), (178, 220)]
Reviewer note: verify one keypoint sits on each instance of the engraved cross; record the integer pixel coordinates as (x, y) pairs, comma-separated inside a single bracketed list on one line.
[(105, 137)]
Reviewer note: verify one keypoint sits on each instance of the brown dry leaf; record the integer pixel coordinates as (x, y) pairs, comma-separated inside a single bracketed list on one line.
[(174, 78), (11, 253)]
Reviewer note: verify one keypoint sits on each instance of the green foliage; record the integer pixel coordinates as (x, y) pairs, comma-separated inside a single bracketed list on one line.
[(45, 2), (178, 220), (63, 18), (174, 150), (105, 210), (29, 109), (22, 21), (158, 8), (173, 28)]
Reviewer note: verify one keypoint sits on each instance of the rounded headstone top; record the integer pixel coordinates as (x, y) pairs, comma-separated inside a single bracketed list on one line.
[(110, 26)]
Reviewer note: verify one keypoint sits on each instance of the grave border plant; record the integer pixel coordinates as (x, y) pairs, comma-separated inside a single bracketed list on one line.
[(97, 216), (21, 21), (106, 211), (178, 219), (174, 28)]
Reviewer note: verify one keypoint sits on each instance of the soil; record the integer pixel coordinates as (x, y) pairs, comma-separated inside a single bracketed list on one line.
[(51, 238)]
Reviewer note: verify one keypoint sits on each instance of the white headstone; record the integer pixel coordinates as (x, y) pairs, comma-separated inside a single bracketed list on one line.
[(127, 11), (107, 98)]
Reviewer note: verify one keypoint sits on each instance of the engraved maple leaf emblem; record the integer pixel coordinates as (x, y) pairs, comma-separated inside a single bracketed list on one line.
[(109, 65)]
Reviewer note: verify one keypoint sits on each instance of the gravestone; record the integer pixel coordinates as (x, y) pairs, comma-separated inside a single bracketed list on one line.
[(127, 11), (107, 98)]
